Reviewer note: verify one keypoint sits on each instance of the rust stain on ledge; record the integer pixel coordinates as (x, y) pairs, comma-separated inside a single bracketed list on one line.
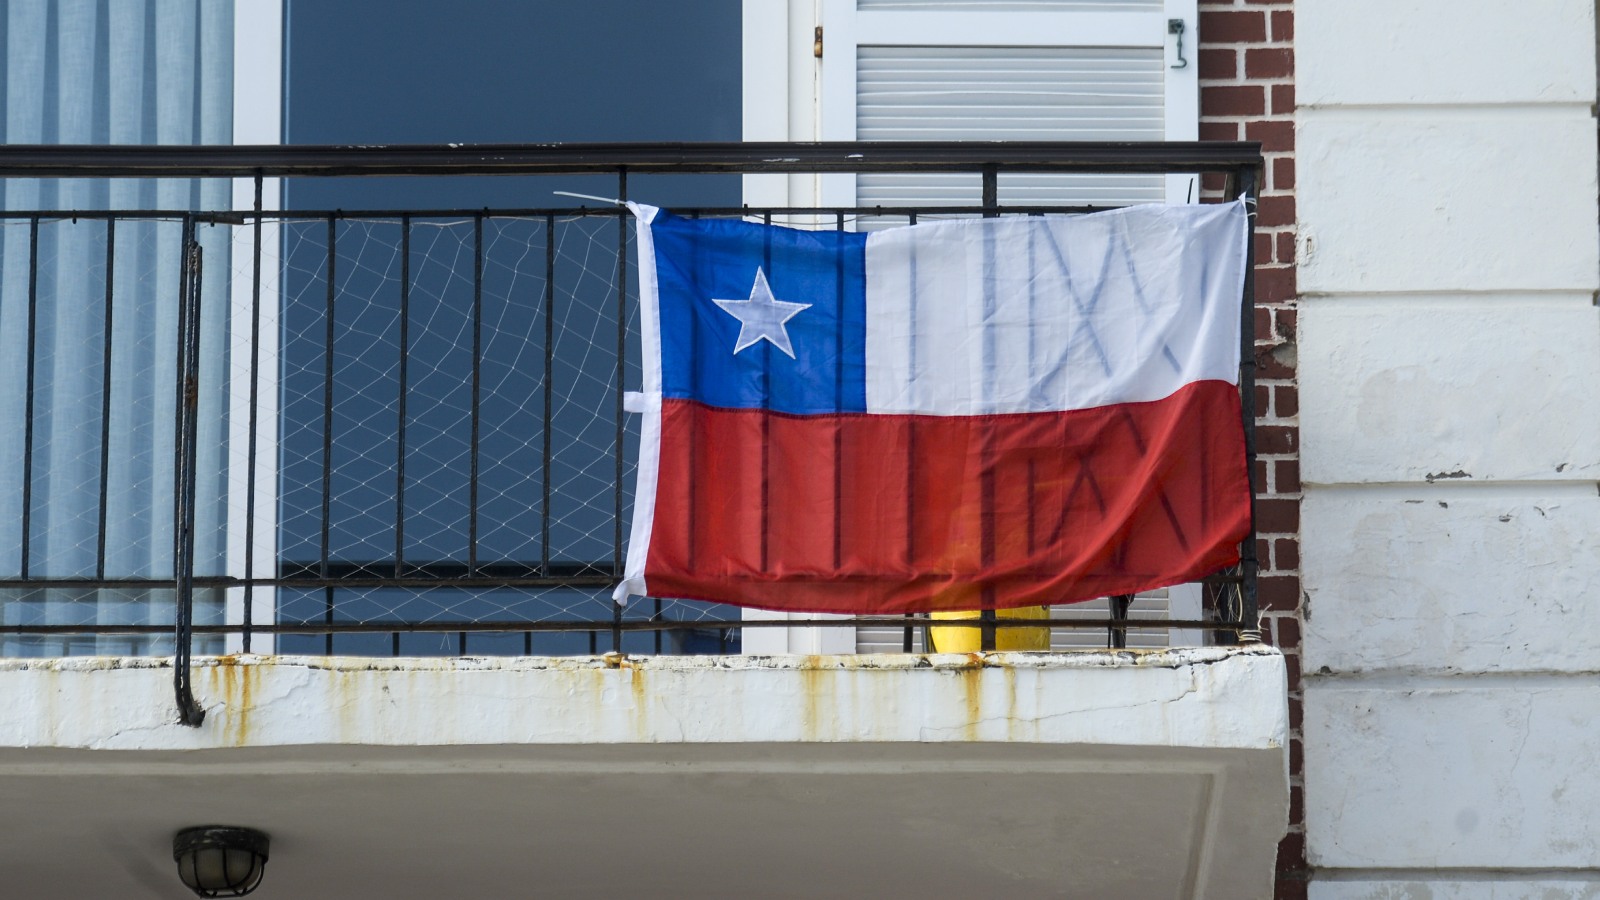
[(972, 692), (234, 680), (268, 700), (812, 692)]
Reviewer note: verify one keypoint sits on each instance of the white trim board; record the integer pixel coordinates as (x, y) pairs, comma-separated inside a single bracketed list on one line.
[(258, 52)]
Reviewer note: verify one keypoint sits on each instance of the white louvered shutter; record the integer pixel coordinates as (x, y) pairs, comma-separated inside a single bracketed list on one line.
[(1085, 70), (1071, 70)]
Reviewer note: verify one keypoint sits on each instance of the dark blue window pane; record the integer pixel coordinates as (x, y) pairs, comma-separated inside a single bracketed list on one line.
[(416, 71)]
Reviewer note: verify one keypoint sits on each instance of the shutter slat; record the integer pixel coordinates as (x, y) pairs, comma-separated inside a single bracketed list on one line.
[(1009, 93), (962, 189), (1013, 5)]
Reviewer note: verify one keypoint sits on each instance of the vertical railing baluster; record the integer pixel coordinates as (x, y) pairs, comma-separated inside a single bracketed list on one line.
[(907, 639), (477, 380), (27, 412), (991, 203), (1033, 481), (691, 452), (838, 390), (621, 372), (105, 402), (838, 400), (250, 450), (1117, 635), (549, 393), (765, 347), (545, 413), (327, 436), (402, 389)]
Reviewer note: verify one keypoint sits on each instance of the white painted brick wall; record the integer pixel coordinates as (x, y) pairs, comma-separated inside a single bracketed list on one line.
[(1390, 588), (1373, 52), (1444, 775), (1464, 388), (1449, 259), (1492, 199)]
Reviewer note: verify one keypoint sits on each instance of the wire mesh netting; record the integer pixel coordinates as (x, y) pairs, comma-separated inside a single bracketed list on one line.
[(451, 412), (88, 388)]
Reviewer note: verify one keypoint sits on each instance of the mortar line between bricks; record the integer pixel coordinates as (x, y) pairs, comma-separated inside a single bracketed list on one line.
[(1421, 491), (1485, 874)]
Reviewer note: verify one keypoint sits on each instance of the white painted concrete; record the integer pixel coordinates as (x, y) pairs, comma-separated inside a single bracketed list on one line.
[(1423, 389), (1105, 774), (1451, 578), (1447, 201), (1454, 772), (1491, 887), (1448, 263), (1444, 51), (669, 821), (1201, 697)]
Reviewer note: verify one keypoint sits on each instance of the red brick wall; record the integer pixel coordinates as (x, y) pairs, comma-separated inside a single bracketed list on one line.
[(1246, 59)]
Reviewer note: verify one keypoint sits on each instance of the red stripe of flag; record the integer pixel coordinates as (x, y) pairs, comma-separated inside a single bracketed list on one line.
[(1087, 503)]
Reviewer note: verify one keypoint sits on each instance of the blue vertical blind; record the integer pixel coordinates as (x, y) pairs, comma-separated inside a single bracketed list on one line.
[(118, 72)]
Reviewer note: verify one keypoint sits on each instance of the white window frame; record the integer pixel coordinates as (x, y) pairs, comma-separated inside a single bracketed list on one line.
[(258, 52), (791, 95)]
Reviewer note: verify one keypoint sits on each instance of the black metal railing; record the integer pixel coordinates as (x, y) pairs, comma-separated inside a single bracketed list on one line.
[(415, 415)]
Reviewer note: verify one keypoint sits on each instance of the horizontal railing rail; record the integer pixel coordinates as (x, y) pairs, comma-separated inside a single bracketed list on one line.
[(443, 383), (284, 161)]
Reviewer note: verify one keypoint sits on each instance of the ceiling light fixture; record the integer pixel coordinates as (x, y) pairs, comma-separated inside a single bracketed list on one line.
[(219, 860)]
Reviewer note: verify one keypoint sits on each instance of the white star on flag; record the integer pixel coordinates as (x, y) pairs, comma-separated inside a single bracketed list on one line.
[(762, 317)]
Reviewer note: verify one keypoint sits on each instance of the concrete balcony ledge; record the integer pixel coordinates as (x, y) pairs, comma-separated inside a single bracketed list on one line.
[(1215, 697), (1118, 774)]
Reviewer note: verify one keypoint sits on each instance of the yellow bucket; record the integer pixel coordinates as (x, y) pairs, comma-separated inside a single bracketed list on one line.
[(970, 640)]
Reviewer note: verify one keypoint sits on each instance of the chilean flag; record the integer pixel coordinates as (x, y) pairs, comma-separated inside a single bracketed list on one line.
[(967, 414)]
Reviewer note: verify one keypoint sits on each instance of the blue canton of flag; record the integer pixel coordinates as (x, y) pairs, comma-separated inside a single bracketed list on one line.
[(743, 296)]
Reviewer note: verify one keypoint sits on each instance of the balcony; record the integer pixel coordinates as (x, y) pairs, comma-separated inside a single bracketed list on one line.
[(317, 522)]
